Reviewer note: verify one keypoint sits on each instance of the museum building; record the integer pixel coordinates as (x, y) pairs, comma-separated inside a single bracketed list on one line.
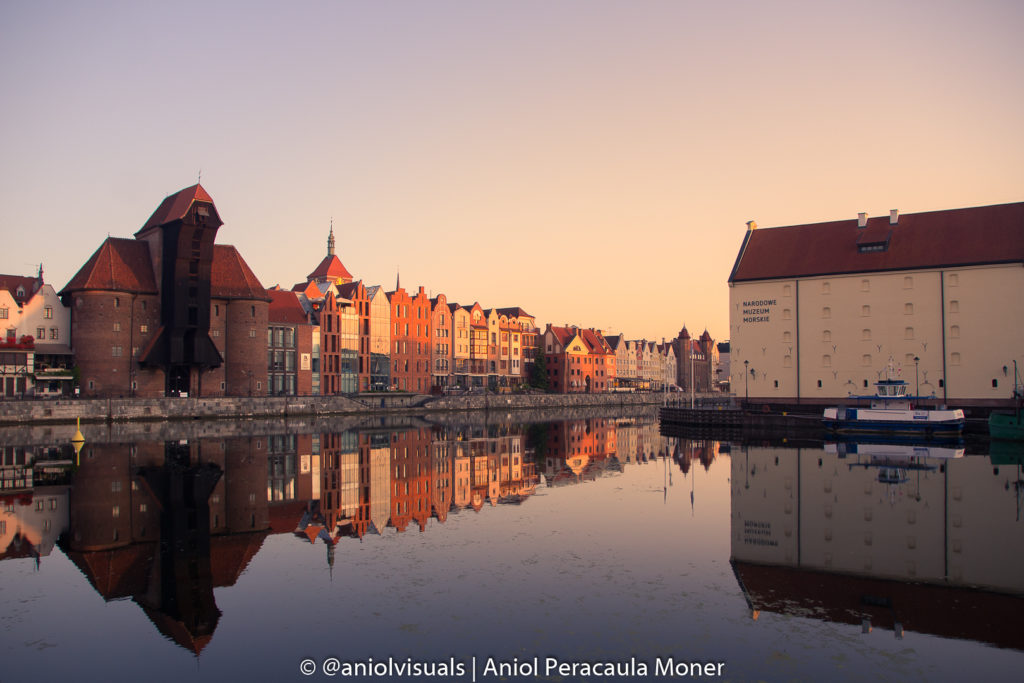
[(819, 312)]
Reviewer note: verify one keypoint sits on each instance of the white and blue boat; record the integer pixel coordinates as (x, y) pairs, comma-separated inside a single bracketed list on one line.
[(892, 413)]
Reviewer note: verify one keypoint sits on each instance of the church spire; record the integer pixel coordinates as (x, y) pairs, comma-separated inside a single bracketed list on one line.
[(330, 239), (398, 279)]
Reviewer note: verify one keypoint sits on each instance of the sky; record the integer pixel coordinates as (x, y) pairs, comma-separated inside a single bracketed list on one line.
[(592, 161)]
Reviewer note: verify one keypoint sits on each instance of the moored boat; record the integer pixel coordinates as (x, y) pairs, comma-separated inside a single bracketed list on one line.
[(892, 413)]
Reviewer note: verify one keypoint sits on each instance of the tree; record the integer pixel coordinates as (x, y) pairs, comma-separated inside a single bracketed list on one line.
[(539, 373)]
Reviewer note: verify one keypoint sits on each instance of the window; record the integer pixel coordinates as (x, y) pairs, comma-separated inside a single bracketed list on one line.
[(115, 511), (3, 314), (787, 314), (48, 312), (954, 332), (54, 333), (143, 329), (954, 280), (865, 311), (826, 361), (826, 336), (116, 351), (908, 333), (865, 360), (908, 282), (117, 327), (954, 306), (252, 332), (117, 302), (865, 334), (787, 290), (819, 384), (826, 288), (826, 312), (954, 358), (865, 285), (40, 333)]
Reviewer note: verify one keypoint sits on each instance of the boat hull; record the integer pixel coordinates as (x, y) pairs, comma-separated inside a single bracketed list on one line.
[(936, 423), (1005, 426)]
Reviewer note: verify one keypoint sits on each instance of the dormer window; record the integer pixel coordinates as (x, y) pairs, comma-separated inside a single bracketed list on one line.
[(20, 291)]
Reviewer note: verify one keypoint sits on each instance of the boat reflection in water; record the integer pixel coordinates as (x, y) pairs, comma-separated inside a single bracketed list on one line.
[(900, 537)]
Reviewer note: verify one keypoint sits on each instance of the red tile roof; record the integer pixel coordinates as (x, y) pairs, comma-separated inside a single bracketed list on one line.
[(231, 277), (286, 308), (29, 286), (176, 206), (331, 268), (119, 265), (514, 312), (957, 237)]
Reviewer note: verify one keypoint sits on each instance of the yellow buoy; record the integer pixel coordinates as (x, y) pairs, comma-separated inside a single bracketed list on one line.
[(77, 441)]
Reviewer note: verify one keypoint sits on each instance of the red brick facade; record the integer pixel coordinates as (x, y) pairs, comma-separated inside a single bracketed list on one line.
[(139, 327), (410, 341)]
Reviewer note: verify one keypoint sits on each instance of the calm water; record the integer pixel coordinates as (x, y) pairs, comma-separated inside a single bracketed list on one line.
[(459, 548)]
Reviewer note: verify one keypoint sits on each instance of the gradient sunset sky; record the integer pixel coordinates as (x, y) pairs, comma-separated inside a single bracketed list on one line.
[(594, 162)]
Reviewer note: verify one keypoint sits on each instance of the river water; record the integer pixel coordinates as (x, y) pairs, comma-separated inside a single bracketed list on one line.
[(577, 549)]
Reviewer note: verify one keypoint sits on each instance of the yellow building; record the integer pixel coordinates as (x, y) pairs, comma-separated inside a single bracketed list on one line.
[(819, 312)]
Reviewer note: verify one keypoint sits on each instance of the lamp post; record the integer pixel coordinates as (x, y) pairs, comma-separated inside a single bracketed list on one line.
[(917, 383), (746, 383)]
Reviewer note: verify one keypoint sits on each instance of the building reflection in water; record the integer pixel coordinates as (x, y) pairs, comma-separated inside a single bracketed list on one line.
[(882, 536), (165, 523)]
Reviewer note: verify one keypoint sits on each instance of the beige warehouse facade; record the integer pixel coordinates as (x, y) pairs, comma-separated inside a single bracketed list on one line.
[(820, 312)]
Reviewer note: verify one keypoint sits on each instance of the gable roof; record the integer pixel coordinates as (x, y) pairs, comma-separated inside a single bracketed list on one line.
[(286, 308), (176, 206), (119, 265), (231, 277), (331, 268), (957, 237), (29, 286), (514, 312)]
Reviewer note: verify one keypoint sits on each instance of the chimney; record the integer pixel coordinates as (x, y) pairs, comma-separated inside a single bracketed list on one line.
[(862, 219), (751, 225), (894, 216)]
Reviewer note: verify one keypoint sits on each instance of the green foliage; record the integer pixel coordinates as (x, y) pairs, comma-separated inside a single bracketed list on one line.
[(539, 373)]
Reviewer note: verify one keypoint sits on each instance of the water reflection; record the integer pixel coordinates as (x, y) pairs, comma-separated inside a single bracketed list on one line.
[(885, 536), (165, 523), (591, 538)]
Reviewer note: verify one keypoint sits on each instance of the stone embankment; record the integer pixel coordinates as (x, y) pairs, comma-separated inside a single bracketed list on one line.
[(116, 420), (453, 415)]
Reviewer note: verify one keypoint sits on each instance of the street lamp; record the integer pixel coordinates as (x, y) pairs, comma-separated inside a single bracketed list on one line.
[(746, 383), (917, 383)]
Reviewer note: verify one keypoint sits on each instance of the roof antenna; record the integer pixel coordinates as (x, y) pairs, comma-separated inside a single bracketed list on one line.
[(200, 178)]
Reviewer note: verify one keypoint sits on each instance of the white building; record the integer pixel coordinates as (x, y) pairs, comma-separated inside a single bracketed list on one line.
[(817, 312)]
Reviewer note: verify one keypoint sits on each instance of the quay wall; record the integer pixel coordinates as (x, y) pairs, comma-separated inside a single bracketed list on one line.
[(128, 431), (65, 411)]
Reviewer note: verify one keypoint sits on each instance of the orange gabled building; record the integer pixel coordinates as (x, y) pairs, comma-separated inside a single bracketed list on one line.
[(410, 340), (578, 360)]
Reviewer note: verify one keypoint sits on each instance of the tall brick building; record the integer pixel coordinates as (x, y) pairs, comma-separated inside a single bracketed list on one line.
[(169, 312)]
